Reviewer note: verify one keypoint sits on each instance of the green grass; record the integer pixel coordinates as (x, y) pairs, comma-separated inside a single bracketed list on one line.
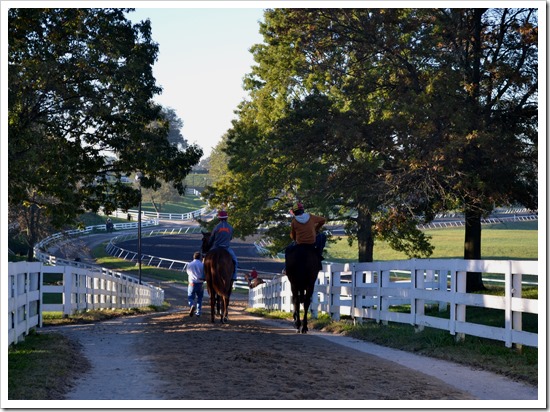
[(186, 205), (476, 352), (503, 241), (43, 366), (120, 265), (90, 316)]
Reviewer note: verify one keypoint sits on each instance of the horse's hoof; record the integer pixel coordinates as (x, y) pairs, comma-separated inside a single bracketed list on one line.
[(225, 320)]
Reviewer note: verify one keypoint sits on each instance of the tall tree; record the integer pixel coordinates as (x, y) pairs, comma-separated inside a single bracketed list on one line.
[(175, 137), (491, 55), (382, 115), (81, 113), (316, 129)]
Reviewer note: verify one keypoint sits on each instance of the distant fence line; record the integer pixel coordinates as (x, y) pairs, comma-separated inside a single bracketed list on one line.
[(370, 290), (488, 221), (133, 214), (172, 264)]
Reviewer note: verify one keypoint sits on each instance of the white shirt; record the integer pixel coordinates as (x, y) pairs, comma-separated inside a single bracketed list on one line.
[(195, 271)]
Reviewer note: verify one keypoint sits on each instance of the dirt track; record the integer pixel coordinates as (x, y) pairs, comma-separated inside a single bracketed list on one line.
[(170, 356), (221, 361)]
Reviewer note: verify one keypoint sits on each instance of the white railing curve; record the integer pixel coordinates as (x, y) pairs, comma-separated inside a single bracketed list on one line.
[(78, 286)]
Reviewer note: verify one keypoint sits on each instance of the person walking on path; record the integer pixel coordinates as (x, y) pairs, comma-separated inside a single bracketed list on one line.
[(195, 278)]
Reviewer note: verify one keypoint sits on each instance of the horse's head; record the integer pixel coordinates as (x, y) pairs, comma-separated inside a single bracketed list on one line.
[(205, 238)]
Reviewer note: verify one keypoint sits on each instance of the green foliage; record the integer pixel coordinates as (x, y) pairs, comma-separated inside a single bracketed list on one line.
[(377, 116), (81, 115)]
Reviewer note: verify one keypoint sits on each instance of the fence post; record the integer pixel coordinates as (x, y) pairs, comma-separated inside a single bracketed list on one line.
[(417, 305), (334, 297), (517, 321), (443, 275), (67, 290), (460, 308)]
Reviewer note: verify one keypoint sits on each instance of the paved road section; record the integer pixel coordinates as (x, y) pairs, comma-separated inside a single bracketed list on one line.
[(182, 247)]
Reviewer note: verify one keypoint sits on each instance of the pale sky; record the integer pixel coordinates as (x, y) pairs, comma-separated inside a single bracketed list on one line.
[(203, 58)]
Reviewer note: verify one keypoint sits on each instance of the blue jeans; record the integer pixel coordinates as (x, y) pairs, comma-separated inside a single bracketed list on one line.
[(195, 291), (234, 256)]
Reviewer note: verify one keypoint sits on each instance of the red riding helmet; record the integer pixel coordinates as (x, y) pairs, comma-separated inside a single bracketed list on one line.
[(222, 214)]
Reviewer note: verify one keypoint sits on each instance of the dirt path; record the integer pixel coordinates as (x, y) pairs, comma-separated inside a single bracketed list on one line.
[(187, 360)]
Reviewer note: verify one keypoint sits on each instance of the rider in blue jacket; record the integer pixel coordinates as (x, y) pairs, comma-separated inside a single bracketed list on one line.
[(221, 236)]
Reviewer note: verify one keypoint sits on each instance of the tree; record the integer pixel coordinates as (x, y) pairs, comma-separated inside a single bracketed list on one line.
[(81, 113), (387, 116), (488, 134), (317, 128), (175, 124)]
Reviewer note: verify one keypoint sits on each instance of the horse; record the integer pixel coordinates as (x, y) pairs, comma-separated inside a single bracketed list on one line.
[(252, 283), (302, 266), (218, 271)]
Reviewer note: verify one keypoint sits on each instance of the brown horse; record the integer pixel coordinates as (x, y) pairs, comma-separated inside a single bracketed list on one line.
[(252, 283), (302, 266), (218, 271)]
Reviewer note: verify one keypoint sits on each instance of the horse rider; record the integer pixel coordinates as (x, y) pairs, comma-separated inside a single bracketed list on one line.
[(221, 236), (252, 277), (305, 229)]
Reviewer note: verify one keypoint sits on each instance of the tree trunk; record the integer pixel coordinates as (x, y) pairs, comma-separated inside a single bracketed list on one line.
[(32, 222), (364, 235), (472, 248)]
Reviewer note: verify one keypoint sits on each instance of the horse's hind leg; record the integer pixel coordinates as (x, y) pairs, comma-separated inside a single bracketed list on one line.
[(307, 303), (212, 305), (296, 315), (225, 310), (218, 305)]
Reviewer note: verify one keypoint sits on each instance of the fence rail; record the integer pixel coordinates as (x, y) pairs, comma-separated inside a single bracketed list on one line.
[(488, 221), (115, 250), (370, 290), (31, 284), (77, 286)]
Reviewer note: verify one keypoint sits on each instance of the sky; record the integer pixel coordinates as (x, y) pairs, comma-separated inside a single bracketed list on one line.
[(203, 58)]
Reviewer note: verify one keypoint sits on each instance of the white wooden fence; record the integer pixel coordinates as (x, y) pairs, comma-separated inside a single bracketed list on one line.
[(77, 289), (369, 290), (78, 286)]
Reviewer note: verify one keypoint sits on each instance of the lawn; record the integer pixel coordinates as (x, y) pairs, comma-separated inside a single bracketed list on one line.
[(502, 241), (186, 205)]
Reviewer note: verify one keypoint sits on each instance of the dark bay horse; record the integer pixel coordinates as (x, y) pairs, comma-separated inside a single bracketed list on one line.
[(218, 271), (302, 266)]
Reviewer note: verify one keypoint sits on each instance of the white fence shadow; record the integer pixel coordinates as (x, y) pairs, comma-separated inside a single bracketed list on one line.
[(371, 290)]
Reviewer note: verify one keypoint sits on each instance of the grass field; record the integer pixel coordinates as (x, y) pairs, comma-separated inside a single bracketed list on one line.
[(502, 241), (186, 205)]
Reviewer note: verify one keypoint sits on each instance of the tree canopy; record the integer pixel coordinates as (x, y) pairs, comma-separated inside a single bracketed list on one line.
[(81, 112), (383, 117)]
